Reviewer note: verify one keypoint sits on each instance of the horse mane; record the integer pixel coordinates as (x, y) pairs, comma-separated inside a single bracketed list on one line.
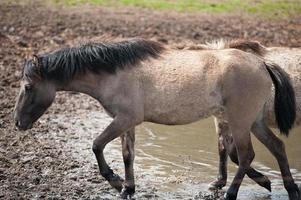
[(248, 46), (213, 45), (244, 45), (64, 64)]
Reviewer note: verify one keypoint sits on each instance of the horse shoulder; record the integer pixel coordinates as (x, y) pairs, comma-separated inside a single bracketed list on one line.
[(121, 94)]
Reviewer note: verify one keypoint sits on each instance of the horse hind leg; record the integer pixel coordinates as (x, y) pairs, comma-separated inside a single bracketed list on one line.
[(240, 118), (227, 148), (245, 152), (241, 112), (255, 175), (277, 148)]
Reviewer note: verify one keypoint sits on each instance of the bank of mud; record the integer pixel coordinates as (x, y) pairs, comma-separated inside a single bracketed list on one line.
[(54, 160)]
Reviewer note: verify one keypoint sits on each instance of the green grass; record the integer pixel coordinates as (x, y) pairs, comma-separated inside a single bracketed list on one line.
[(272, 8)]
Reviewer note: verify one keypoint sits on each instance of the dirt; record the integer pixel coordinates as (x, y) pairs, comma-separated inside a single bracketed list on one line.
[(54, 160)]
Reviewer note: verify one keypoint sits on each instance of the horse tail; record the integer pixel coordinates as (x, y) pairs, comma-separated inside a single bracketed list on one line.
[(284, 102), (248, 46)]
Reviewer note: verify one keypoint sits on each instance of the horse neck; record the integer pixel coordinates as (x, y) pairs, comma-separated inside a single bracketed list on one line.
[(88, 83)]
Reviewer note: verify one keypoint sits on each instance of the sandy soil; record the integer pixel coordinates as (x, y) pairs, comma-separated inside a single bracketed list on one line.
[(53, 160)]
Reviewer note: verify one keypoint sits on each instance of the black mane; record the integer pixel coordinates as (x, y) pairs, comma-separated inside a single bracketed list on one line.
[(63, 64)]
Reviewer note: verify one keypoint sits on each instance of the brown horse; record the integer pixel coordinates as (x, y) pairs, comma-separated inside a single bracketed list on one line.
[(140, 80), (290, 60)]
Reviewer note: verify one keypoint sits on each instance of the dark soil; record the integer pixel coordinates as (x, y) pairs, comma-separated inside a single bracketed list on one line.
[(45, 162)]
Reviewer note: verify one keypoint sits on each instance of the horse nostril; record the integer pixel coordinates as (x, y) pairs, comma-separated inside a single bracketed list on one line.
[(17, 123)]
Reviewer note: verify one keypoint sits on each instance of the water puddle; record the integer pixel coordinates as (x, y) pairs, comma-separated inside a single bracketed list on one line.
[(175, 162)]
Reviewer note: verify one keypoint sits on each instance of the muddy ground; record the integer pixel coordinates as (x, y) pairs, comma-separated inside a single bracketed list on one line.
[(54, 160)]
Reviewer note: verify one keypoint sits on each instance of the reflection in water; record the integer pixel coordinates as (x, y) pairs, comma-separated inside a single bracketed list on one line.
[(180, 161)]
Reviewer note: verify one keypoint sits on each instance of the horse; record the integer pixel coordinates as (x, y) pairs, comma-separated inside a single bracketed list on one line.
[(287, 58), (140, 80)]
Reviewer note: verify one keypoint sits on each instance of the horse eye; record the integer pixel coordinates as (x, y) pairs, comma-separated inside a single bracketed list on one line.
[(28, 87)]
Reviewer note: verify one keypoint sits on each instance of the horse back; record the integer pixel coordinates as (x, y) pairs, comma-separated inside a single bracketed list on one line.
[(184, 86)]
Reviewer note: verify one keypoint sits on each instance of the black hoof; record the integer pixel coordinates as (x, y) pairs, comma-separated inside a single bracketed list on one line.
[(294, 193), (127, 192), (116, 182), (230, 196), (217, 184), (265, 182)]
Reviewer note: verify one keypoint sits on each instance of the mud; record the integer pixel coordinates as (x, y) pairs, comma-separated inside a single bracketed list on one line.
[(54, 160)]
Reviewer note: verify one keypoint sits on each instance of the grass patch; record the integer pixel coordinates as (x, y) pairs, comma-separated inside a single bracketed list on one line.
[(267, 8)]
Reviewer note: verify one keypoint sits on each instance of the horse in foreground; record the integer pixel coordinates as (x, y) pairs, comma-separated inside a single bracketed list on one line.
[(290, 60), (140, 80)]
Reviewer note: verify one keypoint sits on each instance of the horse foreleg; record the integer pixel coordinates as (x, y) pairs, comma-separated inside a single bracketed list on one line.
[(277, 148), (117, 127), (128, 152)]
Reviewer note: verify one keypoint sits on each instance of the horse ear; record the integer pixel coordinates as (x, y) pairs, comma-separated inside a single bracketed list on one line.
[(36, 62)]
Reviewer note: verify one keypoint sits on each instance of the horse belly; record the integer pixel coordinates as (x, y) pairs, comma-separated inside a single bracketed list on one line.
[(183, 106), (181, 88)]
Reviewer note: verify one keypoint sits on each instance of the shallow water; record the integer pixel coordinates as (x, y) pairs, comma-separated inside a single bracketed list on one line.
[(176, 162), (183, 160)]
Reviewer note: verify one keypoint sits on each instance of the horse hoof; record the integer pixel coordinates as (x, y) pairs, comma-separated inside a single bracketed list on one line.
[(116, 182), (266, 183), (230, 196), (295, 193), (217, 184), (127, 192)]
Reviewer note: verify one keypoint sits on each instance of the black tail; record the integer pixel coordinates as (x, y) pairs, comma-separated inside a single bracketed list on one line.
[(284, 103)]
